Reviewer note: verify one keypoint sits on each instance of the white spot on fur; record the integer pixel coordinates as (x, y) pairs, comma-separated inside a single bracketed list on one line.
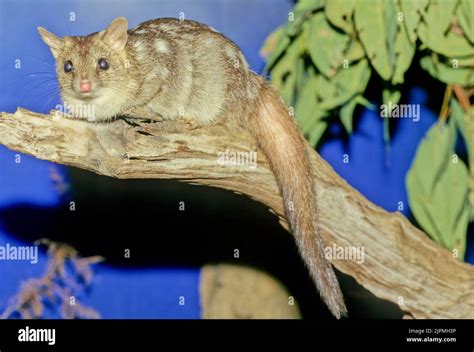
[(141, 31), (242, 59), (210, 42), (161, 46), (167, 27), (251, 91), (231, 53), (140, 49)]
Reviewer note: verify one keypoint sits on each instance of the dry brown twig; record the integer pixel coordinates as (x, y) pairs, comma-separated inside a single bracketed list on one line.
[(56, 287), (401, 265)]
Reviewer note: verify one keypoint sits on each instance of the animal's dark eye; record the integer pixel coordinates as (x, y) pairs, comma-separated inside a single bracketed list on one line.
[(68, 66), (103, 64)]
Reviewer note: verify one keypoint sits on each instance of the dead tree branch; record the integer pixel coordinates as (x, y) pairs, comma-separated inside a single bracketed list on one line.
[(402, 264)]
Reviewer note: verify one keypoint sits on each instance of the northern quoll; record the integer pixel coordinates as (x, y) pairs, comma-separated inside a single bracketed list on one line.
[(179, 69)]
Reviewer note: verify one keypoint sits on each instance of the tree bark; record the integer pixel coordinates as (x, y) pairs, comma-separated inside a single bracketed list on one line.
[(401, 263)]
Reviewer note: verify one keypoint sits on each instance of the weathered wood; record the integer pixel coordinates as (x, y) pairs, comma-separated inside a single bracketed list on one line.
[(401, 263)]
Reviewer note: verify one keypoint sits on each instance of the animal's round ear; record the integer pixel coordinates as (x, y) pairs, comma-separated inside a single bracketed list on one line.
[(54, 42), (116, 34)]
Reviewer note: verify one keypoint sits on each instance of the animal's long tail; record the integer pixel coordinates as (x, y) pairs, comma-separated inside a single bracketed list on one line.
[(283, 144)]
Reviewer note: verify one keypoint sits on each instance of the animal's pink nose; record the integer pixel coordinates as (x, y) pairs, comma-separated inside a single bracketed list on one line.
[(85, 86)]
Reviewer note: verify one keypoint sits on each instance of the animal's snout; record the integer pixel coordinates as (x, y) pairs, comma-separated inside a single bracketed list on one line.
[(85, 86)]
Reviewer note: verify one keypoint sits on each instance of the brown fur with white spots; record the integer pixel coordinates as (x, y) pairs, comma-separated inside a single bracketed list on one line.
[(169, 69)]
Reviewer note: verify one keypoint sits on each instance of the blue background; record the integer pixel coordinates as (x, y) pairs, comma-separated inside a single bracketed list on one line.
[(153, 291)]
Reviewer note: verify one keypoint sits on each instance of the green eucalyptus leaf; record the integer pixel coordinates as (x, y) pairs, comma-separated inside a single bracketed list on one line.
[(317, 132), (346, 115), (347, 83), (355, 51), (404, 52), (390, 97), (441, 13), (465, 125), (374, 22), (306, 104), (282, 42), (437, 185), (301, 12), (435, 33), (460, 231), (447, 74), (300, 73), (284, 72), (412, 14), (392, 29), (327, 45), (309, 5), (449, 203), (465, 15), (451, 45), (308, 115), (347, 111), (339, 13), (433, 153)]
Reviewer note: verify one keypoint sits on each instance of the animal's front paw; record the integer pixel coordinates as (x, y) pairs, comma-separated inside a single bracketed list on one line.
[(144, 113), (190, 123)]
